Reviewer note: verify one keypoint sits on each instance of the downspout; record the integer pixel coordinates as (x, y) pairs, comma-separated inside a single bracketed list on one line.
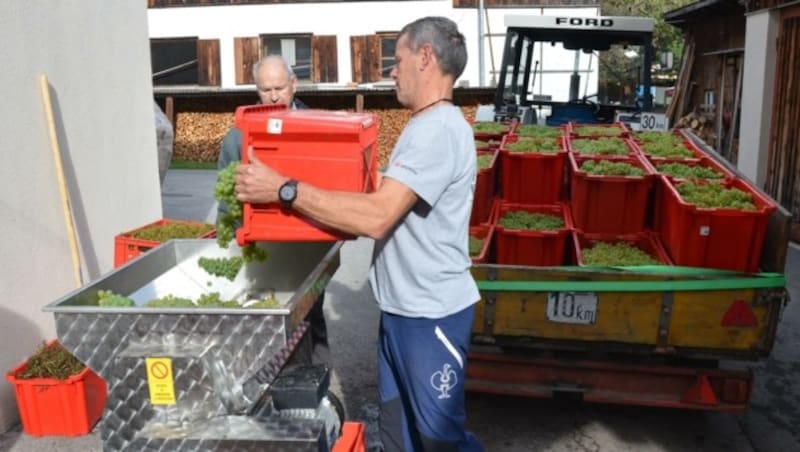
[(481, 64)]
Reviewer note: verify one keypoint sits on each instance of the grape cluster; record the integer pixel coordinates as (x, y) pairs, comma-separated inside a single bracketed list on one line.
[(484, 160), (213, 300), (164, 232), (601, 146), (225, 193), (475, 245), (594, 131), (546, 145), (535, 130), (650, 136), (170, 301), (489, 127), (225, 267), (107, 298), (619, 254), (714, 195), (520, 219), (681, 170), (610, 168), (666, 149)]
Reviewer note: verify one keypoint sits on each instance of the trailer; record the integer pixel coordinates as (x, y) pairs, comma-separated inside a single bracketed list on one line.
[(666, 336)]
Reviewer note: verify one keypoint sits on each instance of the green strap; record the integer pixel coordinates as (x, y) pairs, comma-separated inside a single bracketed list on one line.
[(701, 279)]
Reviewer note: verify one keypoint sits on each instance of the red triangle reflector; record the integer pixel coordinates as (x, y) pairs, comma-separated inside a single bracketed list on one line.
[(739, 314), (701, 392)]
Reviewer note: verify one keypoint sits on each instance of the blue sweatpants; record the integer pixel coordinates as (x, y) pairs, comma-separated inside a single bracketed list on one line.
[(421, 376)]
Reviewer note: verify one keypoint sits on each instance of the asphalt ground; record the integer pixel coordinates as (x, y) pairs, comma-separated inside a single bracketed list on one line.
[(516, 424)]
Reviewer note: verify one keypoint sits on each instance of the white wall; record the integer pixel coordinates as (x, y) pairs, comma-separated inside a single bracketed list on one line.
[(96, 56), (757, 94), (228, 22)]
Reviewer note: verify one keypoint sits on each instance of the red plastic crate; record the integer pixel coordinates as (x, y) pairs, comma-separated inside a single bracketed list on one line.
[(328, 149), (484, 190), (531, 177), (484, 232), (621, 129), (352, 438), (645, 241), (48, 406), (610, 204), (715, 238), (534, 248), (657, 209), (127, 247)]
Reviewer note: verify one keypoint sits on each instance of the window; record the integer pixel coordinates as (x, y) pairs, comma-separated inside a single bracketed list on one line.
[(174, 61), (295, 49), (185, 61), (388, 41)]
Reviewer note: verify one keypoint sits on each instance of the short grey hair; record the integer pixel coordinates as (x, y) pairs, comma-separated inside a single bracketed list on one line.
[(275, 58), (447, 42)]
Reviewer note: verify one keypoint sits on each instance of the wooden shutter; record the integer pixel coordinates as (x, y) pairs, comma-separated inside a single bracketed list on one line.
[(358, 45), (365, 55), (323, 59), (374, 58), (208, 66), (246, 52)]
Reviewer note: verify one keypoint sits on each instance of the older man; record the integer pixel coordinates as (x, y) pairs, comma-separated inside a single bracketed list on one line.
[(276, 84), (419, 218)]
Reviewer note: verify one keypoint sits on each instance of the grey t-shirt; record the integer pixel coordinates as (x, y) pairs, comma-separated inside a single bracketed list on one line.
[(422, 267)]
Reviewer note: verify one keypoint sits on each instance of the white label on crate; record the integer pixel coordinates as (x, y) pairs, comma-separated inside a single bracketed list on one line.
[(705, 231), (653, 121), (274, 126), (572, 307)]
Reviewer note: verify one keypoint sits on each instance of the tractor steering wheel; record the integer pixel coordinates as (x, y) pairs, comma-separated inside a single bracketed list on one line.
[(585, 101)]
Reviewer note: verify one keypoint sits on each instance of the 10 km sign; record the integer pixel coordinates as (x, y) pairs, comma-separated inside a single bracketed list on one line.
[(572, 307)]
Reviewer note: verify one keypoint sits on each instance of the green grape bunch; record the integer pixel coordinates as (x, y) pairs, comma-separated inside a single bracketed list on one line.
[(610, 168), (475, 245), (484, 161), (225, 193), (170, 301), (489, 127), (520, 219), (164, 232), (683, 171), (540, 145), (714, 195), (593, 131), (539, 131), (224, 267), (601, 146), (107, 298), (619, 254)]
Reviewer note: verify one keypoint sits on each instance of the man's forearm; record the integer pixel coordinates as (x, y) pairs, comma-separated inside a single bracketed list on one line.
[(362, 214)]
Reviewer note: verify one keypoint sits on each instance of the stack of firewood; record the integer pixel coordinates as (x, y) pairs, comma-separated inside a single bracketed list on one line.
[(198, 135), (702, 124)]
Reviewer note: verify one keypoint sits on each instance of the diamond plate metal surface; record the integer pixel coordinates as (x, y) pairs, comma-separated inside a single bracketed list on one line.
[(223, 359)]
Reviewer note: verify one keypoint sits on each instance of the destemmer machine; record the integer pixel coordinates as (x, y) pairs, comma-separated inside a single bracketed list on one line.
[(197, 379)]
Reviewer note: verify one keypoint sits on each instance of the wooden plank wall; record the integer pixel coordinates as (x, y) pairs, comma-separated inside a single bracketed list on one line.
[(783, 181)]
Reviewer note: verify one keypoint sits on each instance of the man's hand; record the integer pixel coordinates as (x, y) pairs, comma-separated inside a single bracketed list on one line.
[(257, 183)]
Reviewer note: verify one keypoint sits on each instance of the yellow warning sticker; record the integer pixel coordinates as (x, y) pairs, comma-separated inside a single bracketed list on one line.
[(159, 380)]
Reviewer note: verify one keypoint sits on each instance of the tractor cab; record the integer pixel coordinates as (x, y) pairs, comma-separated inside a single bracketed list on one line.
[(549, 73)]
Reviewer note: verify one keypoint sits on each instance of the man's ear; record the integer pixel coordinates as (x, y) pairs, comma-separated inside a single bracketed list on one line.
[(427, 55), (294, 84)]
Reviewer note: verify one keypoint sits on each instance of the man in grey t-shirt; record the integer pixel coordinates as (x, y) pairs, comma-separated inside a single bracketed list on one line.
[(419, 218)]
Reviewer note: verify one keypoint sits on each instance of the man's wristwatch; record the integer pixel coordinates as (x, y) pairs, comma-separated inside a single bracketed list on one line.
[(287, 193)]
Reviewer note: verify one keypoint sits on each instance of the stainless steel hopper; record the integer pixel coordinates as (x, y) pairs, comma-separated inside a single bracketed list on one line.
[(223, 359)]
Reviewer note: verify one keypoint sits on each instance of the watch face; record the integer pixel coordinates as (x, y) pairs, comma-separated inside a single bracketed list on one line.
[(287, 193)]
